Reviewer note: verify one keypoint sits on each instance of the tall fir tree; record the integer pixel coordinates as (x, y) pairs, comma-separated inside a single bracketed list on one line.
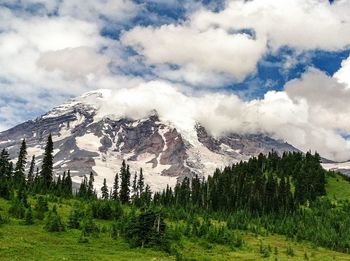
[(104, 190), (68, 185), (19, 175), (47, 167), (141, 183), (135, 193), (30, 178), (90, 188), (115, 192), (125, 183)]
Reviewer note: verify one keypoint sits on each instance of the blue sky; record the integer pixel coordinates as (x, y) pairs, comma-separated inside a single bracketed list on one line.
[(259, 53)]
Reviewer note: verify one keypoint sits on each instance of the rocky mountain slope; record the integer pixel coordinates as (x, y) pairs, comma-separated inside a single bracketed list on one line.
[(86, 140)]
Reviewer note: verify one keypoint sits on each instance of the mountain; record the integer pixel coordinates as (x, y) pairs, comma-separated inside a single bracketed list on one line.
[(88, 139)]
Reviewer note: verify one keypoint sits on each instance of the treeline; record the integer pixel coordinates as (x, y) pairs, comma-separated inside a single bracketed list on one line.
[(263, 184), (41, 181)]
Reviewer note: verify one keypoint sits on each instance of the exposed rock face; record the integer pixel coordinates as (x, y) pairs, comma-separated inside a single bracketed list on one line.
[(84, 143)]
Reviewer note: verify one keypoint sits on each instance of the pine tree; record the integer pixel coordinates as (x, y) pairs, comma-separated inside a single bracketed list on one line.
[(115, 192), (30, 178), (5, 174), (141, 182), (90, 187), (134, 187), (83, 188), (104, 190), (53, 221), (47, 167), (68, 185), (125, 183), (19, 175)]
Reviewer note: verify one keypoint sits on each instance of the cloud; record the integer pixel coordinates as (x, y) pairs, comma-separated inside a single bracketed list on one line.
[(232, 41), (301, 24), (44, 60), (343, 74), (114, 10), (294, 115), (212, 50), (74, 62), (56, 50)]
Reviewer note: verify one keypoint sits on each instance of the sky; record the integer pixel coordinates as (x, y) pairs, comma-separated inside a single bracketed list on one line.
[(276, 67)]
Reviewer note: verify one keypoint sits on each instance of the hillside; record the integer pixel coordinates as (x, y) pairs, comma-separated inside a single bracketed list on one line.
[(270, 207), (20, 242)]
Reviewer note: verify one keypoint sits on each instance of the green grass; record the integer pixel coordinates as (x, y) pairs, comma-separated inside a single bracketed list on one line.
[(337, 187), (199, 250), (20, 242)]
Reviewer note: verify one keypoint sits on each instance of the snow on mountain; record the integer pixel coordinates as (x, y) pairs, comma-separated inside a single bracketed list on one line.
[(87, 137)]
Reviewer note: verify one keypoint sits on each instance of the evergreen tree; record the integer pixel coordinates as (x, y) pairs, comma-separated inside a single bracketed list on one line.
[(147, 230), (90, 187), (115, 192), (19, 175), (141, 182), (53, 221), (30, 178), (41, 207), (83, 188), (47, 166), (125, 183), (68, 185), (5, 174), (135, 188), (104, 190)]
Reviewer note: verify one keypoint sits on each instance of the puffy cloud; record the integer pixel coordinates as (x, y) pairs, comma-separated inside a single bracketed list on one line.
[(74, 62), (294, 115), (213, 49), (234, 39), (301, 24), (46, 59)]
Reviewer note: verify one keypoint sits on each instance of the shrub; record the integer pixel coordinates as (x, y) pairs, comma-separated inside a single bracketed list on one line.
[(89, 226), (28, 217), (290, 251), (83, 238), (106, 209), (54, 222), (74, 219), (41, 207), (17, 209)]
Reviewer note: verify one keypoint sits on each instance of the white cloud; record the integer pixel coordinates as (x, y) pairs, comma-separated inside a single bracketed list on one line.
[(343, 74), (294, 115), (212, 50), (75, 62), (215, 42), (301, 24), (46, 59)]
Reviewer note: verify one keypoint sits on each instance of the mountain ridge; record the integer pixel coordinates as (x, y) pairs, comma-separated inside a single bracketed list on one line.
[(86, 139)]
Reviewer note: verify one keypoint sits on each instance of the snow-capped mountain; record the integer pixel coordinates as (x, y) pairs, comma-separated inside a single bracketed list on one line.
[(87, 139)]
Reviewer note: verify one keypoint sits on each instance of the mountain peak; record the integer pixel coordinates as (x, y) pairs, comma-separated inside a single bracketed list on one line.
[(86, 139)]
